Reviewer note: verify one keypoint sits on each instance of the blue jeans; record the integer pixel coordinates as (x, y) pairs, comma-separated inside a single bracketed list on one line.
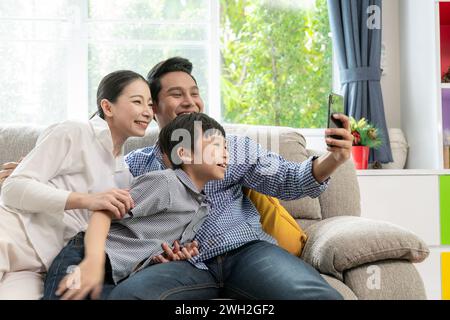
[(257, 270), (72, 255)]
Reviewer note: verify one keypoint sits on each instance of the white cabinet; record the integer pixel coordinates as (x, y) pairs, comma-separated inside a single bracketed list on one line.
[(411, 199)]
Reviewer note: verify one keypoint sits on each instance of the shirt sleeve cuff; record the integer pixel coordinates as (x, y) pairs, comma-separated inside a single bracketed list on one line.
[(312, 187)]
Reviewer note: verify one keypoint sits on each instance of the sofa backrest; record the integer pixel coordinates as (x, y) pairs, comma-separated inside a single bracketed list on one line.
[(17, 140), (341, 198)]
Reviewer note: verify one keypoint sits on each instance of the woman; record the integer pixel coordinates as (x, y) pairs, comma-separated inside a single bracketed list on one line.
[(47, 199)]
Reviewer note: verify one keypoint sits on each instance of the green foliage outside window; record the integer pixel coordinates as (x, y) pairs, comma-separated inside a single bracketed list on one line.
[(276, 63)]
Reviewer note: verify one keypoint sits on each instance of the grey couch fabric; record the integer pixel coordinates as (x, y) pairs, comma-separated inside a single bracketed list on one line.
[(342, 288), (386, 280), (342, 196), (338, 244), (400, 279), (17, 141)]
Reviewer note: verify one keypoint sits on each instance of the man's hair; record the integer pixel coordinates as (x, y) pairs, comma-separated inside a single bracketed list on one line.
[(187, 122), (170, 65)]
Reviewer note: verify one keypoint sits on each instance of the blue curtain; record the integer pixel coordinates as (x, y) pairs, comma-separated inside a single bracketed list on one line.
[(358, 50)]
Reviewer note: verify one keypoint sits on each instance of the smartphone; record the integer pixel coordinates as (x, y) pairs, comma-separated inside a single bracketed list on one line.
[(335, 105)]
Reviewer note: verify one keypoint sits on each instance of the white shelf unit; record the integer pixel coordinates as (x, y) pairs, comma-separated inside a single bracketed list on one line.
[(409, 199), (421, 105)]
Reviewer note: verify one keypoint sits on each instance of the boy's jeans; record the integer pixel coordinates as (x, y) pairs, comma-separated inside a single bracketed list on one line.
[(257, 270), (69, 257)]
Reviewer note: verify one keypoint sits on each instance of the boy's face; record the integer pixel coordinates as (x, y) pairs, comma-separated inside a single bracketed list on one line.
[(210, 158)]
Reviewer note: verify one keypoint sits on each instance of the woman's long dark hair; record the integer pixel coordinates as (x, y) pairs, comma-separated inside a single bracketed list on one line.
[(112, 85)]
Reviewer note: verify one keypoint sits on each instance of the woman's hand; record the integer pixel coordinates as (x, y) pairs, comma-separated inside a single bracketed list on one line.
[(178, 253), (116, 201), (6, 170), (87, 279)]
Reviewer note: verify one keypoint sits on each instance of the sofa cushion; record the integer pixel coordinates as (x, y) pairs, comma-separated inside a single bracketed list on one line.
[(16, 141), (338, 244), (340, 287), (386, 280), (342, 195), (277, 222), (150, 139)]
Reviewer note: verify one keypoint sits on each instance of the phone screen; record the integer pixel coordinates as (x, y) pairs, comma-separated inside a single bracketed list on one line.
[(335, 105)]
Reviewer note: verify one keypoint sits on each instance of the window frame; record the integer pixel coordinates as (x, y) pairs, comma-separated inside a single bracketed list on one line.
[(77, 102)]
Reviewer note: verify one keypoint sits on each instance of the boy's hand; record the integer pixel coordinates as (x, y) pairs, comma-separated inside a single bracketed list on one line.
[(87, 279), (178, 253)]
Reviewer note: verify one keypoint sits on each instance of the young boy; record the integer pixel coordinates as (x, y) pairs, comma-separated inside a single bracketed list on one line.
[(170, 205)]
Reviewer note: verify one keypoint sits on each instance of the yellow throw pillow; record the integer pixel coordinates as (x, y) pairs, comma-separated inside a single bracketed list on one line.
[(277, 222)]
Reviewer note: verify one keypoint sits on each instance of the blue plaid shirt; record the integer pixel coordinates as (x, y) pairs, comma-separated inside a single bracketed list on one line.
[(233, 220)]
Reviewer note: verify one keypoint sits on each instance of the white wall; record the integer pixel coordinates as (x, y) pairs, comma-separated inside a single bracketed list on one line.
[(419, 81), (390, 81)]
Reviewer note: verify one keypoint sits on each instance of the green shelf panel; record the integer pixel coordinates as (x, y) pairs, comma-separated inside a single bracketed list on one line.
[(444, 184)]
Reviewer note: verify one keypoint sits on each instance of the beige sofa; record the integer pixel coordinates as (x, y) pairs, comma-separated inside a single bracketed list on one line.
[(361, 258)]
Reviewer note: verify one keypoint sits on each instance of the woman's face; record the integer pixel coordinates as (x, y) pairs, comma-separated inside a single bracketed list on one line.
[(132, 111)]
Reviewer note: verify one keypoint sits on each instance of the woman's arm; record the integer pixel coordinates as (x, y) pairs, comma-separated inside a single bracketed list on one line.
[(92, 268), (56, 153), (27, 188), (116, 201)]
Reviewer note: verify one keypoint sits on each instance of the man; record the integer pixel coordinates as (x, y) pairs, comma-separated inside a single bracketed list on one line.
[(237, 259)]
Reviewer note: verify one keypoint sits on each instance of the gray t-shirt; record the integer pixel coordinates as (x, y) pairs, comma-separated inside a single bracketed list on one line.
[(168, 207)]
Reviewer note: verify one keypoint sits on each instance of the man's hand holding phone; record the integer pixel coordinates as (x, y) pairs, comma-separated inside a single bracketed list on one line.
[(340, 140), (338, 136)]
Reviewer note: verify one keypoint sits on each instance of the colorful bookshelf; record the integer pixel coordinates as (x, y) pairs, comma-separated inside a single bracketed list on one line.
[(445, 268), (444, 30), (444, 183)]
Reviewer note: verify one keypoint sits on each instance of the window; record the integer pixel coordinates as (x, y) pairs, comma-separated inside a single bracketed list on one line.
[(55, 52), (255, 62), (137, 34), (277, 62), (34, 50)]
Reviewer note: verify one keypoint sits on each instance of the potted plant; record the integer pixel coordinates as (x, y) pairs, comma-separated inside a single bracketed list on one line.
[(365, 136)]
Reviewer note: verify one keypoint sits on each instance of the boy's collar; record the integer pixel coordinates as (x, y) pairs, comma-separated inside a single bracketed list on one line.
[(186, 180)]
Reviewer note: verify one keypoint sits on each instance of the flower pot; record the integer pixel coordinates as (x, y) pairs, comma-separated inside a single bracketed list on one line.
[(360, 155)]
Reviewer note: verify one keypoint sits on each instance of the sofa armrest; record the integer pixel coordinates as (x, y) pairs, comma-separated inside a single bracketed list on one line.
[(341, 243), (386, 280)]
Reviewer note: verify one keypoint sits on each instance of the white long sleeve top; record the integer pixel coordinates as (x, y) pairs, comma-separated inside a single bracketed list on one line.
[(68, 157)]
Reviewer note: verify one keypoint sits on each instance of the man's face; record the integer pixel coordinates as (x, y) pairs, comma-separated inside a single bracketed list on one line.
[(179, 94)]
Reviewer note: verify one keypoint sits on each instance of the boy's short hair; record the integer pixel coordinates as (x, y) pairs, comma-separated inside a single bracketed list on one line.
[(173, 64), (167, 142)]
